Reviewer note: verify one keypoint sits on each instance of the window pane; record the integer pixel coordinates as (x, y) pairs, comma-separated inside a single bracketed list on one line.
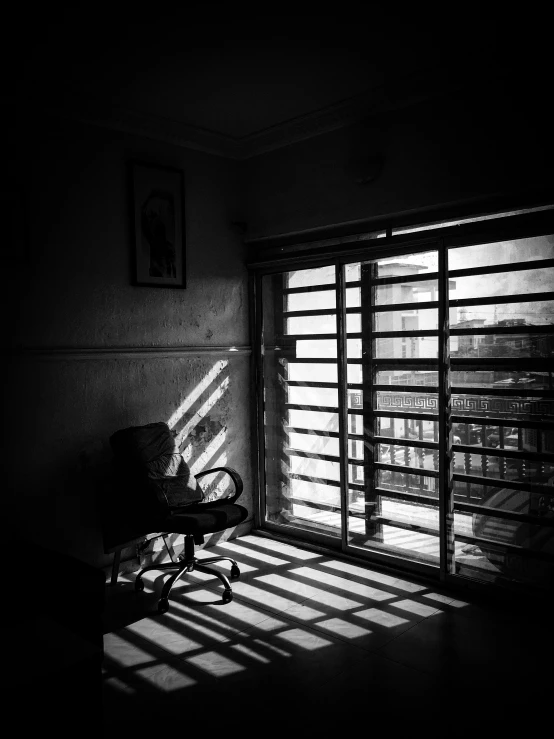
[(533, 313), (407, 456), (410, 264), (407, 292), (526, 281), (501, 252), (413, 320), (313, 396), (317, 420), (326, 324), (309, 277), (410, 347), (499, 379), (502, 345), (313, 443), (316, 300), (403, 377), (495, 407), (409, 428), (299, 371)]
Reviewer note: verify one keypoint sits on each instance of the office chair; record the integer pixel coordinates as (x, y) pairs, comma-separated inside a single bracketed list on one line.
[(157, 492)]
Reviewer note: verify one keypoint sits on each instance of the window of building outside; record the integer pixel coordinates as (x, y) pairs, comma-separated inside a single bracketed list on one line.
[(408, 405)]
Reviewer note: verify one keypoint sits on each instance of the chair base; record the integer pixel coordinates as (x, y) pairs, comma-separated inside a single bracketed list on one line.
[(187, 562)]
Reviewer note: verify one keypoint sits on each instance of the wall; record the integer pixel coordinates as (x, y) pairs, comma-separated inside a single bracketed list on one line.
[(106, 355), (459, 147)]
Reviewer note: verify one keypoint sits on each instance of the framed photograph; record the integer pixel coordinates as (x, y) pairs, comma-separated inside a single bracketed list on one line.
[(158, 225)]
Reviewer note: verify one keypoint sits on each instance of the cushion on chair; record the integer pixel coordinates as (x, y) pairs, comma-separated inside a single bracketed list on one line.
[(151, 454), (200, 520)]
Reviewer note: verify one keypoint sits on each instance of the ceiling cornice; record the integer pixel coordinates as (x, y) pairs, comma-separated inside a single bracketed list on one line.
[(403, 93)]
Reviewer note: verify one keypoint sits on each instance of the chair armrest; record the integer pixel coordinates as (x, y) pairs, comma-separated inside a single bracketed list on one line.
[(236, 478)]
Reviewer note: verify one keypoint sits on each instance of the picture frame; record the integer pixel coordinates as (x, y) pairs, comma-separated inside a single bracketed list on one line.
[(157, 205)]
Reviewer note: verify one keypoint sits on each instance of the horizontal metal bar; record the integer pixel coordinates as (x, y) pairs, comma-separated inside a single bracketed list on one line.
[(309, 337), (483, 510), (407, 415), (399, 279), (407, 495), (418, 443), (311, 432), (493, 269), (319, 408), (386, 307), (400, 364), (505, 392), (307, 313), (312, 360), (511, 421), (421, 389), (528, 329), (311, 478), (493, 482), (497, 452), (311, 455), (406, 469), (499, 299), (307, 383), (309, 289), (403, 334)]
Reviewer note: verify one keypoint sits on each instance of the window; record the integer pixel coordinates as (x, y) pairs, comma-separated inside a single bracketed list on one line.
[(408, 405)]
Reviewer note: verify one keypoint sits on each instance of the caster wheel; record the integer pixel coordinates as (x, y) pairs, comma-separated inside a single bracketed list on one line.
[(139, 585), (163, 606), (227, 596), (235, 572)]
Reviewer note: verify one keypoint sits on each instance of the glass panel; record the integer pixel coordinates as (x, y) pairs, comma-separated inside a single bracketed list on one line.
[(407, 428), (326, 324), (313, 396), (354, 372), (353, 323), (352, 272), (309, 277), (405, 529), (404, 481), (498, 379), (504, 468), (319, 468), (353, 299), (526, 281), (410, 264), (355, 424), (408, 292), (299, 371), (316, 300), (355, 399), (356, 474), (498, 407), (488, 558), (403, 377), (409, 347), (315, 444), (355, 449), (406, 402), (502, 345), (501, 252), (413, 320), (408, 456), (316, 348), (316, 420), (534, 313)]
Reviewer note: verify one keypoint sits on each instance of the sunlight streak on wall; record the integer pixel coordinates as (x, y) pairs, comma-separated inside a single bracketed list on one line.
[(203, 410), (197, 392)]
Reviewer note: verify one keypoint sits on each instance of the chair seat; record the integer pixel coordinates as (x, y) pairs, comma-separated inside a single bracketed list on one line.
[(194, 520)]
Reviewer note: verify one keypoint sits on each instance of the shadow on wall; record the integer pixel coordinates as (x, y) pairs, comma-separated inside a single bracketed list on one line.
[(200, 424)]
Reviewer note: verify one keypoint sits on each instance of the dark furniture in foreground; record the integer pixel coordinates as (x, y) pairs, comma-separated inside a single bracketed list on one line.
[(154, 491)]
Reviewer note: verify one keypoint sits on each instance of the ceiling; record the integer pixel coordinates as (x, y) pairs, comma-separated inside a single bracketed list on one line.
[(238, 86)]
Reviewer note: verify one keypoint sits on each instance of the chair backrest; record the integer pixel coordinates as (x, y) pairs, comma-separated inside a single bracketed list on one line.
[(149, 476)]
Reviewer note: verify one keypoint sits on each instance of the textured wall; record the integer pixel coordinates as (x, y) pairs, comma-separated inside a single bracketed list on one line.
[(87, 326)]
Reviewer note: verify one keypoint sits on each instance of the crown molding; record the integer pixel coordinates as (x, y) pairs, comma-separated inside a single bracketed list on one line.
[(403, 93)]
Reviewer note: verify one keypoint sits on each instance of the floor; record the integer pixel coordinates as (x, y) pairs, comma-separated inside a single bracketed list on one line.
[(312, 644)]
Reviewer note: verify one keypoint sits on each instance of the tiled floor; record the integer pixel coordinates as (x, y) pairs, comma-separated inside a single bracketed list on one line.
[(312, 645)]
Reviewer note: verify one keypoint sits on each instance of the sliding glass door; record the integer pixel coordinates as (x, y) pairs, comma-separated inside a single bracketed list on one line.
[(407, 405)]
